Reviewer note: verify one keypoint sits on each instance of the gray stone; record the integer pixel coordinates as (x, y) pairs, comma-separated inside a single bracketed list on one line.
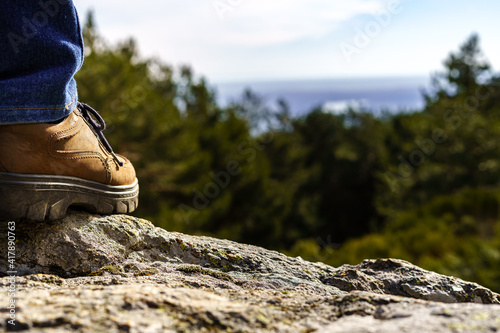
[(89, 273), (399, 277)]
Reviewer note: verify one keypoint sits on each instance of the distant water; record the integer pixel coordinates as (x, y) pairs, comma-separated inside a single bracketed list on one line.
[(335, 95)]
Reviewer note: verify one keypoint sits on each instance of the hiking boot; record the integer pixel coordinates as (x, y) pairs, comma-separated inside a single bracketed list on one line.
[(46, 168)]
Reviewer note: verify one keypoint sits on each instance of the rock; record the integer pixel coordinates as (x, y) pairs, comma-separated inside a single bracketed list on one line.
[(401, 315), (398, 277), (83, 244), (118, 273)]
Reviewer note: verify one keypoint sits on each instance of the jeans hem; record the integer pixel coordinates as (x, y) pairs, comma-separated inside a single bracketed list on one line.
[(30, 115)]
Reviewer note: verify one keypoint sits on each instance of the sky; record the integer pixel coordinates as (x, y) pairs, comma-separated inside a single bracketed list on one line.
[(262, 40)]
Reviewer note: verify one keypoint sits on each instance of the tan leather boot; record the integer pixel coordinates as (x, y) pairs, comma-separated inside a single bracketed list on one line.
[(46, 168)]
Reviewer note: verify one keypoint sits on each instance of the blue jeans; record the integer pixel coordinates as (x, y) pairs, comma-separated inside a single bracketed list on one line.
[(41, 49)]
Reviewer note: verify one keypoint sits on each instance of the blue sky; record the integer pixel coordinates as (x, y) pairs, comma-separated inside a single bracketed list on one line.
[(248, 40)]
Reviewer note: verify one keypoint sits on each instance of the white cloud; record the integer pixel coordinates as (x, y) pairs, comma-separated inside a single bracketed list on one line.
[(255, 38), (263, 22), (245, 22)]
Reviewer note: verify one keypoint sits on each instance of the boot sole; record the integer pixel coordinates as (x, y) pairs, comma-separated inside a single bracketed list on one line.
[(41, 197)]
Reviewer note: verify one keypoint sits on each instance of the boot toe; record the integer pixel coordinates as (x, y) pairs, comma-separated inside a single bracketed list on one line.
[(123, 175)]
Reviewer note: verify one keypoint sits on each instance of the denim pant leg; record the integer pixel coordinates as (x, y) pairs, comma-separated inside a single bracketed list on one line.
[(41, 49)]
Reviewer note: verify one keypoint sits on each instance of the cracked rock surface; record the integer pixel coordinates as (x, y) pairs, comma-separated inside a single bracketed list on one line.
[(89, 273)]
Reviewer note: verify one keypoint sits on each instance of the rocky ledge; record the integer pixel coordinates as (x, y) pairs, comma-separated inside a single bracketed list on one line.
[(89, 273)]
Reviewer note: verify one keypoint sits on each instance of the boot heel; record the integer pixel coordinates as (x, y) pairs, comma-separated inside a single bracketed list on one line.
[(18, 203)]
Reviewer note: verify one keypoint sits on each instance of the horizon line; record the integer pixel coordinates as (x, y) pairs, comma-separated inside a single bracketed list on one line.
[(321, 78)]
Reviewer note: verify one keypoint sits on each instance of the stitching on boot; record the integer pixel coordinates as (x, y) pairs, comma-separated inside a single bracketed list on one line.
[(107, 165), (72, 155), (65, 134)]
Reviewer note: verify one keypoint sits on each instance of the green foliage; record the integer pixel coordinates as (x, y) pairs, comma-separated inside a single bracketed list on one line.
[(336, 188), (455, 235)]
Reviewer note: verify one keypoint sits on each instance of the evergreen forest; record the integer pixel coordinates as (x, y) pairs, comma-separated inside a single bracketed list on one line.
[(423, 186)]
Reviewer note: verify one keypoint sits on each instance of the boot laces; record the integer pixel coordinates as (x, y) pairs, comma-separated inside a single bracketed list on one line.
[(98, 125)]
